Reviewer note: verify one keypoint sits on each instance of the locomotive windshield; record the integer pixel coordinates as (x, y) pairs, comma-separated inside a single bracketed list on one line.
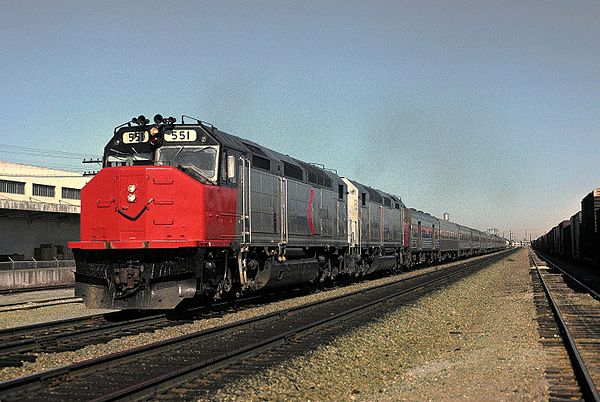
[(116, 157), (198, 161)]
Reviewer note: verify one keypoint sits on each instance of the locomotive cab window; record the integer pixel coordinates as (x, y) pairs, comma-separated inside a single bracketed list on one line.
[(199, 162), (228, 168), (117, 158), (231, 169), (341, 191)]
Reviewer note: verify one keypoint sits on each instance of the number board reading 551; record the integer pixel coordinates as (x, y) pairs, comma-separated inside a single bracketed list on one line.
[(180, 135), (135, 137)]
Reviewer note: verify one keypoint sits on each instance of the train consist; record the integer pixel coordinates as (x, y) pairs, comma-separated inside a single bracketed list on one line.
[(184, 212), (577, 238)]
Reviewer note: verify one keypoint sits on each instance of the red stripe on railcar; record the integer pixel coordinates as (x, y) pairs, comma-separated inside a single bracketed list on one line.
[(309, 212)]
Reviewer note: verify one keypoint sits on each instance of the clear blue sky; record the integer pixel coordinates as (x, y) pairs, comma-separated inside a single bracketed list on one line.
[(487, 110)]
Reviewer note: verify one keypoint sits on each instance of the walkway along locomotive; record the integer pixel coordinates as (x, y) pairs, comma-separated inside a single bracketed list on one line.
[(186, 211)]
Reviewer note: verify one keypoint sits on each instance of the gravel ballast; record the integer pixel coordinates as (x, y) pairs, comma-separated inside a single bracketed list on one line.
[(476, 340), (47, 361), (13, 317)]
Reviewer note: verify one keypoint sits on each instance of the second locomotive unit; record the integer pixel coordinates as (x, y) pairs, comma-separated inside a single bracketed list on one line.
[(185, 211)]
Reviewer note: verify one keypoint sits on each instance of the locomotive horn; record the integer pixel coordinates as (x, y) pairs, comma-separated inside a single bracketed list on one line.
[(142, 121), (158, 119)]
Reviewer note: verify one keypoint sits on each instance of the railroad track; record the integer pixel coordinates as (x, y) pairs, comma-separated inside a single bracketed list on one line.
[(35, 289), (22, 344), (209, 356), (581, 278), (569, 318), (31, 304)]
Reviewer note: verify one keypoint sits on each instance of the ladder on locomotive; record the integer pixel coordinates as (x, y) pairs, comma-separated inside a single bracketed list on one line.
[(246, 187)]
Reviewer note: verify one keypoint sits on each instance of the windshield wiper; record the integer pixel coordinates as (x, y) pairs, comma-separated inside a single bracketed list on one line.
[(176, 155), (119, 152)]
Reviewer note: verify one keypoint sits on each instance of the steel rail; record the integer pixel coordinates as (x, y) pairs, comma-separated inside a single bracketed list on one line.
[(31, 304), (594, 294), (35, 289), (588, 387), (27, 329), (19, 342)]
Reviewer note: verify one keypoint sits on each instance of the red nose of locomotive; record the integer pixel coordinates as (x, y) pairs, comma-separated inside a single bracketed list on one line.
[(152, 207)]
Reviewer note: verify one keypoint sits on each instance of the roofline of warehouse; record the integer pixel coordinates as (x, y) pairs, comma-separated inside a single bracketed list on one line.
[(39, 206)]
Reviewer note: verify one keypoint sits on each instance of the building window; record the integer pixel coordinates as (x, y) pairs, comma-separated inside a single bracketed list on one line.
[(71, 193), (13, 187), (42, 190)]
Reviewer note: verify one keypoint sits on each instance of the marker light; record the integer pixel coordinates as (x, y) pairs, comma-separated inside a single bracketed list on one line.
[(131, 197), (131, 188)]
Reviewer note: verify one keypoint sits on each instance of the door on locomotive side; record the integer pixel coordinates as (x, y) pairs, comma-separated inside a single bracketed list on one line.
[(364, 219), (263, 199), (231, 176), (342, 209), (353, 214), (376, 217), (407, 232), (303, 204), (244, 207)]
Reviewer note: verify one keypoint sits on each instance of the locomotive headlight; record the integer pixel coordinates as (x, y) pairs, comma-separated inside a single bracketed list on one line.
[(131, 197), (131, 188), (155, 136)]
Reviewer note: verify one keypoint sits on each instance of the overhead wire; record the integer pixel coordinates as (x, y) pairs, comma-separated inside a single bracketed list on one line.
[(20, 154), (43, 152)]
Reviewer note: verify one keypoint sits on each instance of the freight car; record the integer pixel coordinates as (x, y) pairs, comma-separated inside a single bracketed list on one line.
[(579, 237), (185, 211)]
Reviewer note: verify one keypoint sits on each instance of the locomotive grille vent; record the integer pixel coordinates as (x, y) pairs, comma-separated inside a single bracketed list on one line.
[(292, 171), (317, 176), (374, 195), (261, 163)]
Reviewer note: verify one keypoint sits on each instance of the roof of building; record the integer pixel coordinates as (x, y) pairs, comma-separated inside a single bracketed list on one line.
[(37, 188)]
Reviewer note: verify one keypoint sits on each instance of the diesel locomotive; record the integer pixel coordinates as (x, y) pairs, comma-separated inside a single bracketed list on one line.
[(184, 212)]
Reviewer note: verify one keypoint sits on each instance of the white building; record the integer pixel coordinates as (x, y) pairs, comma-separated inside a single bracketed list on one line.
[(37, 206)]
